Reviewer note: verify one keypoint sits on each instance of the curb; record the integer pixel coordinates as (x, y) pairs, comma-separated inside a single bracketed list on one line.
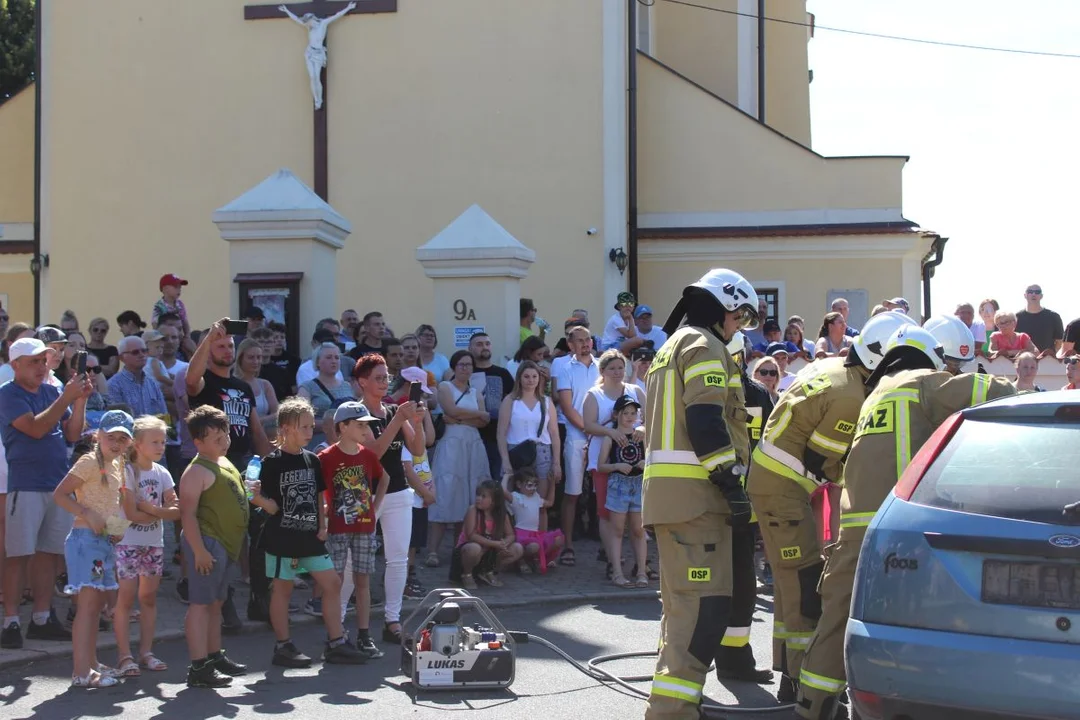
[(251, 627)]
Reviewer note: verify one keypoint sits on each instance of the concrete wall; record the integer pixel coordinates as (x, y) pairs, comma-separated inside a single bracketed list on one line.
[(431, 109)]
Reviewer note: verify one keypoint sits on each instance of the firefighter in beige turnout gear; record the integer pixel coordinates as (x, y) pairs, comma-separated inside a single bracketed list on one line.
[(803, 445), (697, 446), (909, 401)]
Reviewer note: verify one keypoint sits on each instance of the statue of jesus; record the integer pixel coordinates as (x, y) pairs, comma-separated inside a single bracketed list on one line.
[(315, 54)]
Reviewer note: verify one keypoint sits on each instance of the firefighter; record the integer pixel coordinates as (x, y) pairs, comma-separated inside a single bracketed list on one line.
[(804, 442), (957, 342), (910, 398), (696, 453), (735, 656)]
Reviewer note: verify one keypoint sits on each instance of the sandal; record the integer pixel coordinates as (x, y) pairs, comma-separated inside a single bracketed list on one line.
[(432, 560), (468, 582), (491, 579), (151, 663), (551, 564), (524, 568), (642, 581), (567, 558), (106, 671), (127, 667), (621, 582), (134, 615), (93, 680)]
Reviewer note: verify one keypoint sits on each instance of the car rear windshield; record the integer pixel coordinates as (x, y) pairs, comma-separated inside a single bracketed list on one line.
[(1026, 471)]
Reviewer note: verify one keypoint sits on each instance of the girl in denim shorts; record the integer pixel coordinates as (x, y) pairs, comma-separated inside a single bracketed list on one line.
[(95, 480), (625, 466), (149, 502)]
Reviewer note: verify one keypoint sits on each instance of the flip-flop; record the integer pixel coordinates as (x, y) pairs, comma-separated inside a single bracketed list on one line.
[(567, 558)]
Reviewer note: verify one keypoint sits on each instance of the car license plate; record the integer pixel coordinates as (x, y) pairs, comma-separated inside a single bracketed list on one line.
[(1049, 585)]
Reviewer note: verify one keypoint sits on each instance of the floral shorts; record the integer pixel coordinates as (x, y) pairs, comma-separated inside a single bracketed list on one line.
[(135, 561)]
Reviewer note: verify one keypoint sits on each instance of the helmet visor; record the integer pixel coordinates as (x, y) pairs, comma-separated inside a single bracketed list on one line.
[(747, 317)]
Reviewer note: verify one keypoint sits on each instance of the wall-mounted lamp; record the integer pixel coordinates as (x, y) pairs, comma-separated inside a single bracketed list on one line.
[(37, 262), (620, 258)]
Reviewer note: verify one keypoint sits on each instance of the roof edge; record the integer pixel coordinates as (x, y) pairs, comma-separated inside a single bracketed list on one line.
[(881, 228)]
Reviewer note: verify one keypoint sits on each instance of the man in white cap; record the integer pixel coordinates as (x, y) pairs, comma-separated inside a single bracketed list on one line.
[(37, 420)]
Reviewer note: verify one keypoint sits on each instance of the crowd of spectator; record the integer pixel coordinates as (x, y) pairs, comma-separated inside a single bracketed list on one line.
[(106, 445)]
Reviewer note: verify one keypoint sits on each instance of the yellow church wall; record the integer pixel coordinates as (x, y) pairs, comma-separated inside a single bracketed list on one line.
[(701, 44), (17, 284), (787, 70), (17, 158), (698, 154), (431, 109)]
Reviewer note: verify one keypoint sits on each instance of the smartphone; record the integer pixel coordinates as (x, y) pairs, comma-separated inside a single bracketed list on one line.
[(80, 362), (236, 327), (416, 392)]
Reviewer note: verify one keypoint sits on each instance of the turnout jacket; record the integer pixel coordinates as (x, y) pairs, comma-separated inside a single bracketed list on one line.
[(695, 424), (810, 430), (896, 420)]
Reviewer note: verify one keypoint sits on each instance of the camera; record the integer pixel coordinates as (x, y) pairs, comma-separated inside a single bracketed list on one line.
[(591, 231)]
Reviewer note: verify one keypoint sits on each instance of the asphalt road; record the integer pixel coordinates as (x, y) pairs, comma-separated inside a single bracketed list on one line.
[(546, 686)]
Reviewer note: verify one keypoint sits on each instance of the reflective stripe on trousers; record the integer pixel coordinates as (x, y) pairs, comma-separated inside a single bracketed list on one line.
[(736, 637), (673, 687), (853, 520), (820, 682)]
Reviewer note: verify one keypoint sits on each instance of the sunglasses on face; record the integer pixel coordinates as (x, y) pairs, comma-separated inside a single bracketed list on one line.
[(1071, 360), (768, 373), (1034, 291), (96, 369)]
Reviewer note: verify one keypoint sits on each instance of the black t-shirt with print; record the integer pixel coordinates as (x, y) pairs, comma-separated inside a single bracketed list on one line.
[(632, 453), (236, 398), (498, 384), (295, 483), (281, 373), (362, 349), (391, 459)]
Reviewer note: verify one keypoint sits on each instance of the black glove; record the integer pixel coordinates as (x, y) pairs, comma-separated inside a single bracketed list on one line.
[(729, 482)]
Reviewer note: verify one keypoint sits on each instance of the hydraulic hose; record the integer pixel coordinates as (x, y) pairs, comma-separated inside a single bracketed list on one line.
[(594, 671)]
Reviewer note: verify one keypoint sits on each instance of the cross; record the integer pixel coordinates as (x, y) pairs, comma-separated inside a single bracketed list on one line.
[(321, 8)]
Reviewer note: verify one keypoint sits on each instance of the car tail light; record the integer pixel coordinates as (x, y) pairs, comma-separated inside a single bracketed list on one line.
[(926, 455), (868, 704)]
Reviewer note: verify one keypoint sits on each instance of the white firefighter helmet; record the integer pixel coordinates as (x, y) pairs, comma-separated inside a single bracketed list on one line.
[(955, 337), (733, 292), (871, 341), (913, 336)]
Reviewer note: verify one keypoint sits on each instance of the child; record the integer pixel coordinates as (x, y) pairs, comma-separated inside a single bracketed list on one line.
[(487, 539), (95, 480), (418, 474), (625, 465), (349, 472), (170, 302), (149, 501), (214, 513), (155, 346), (291, 491), (526, 505)]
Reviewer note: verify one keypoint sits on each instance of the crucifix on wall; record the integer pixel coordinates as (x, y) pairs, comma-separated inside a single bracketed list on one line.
[(316, 16)]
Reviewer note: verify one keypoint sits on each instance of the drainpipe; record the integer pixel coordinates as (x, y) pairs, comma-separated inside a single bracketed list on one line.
[(937, 250), (631, 146), (37, 159), (761, 61)]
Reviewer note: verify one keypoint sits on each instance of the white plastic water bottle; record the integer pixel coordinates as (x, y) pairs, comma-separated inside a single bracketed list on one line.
[(251, 475)]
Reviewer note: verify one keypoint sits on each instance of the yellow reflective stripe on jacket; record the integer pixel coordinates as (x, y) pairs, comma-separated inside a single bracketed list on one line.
[(903, 436), (709, 367), (781, 426), (782, 470), (980, 388), (830, 685), (854, 520), (667, 441), (828, 443), (675, 470), (673, 687), (736, 637), (711, 462)]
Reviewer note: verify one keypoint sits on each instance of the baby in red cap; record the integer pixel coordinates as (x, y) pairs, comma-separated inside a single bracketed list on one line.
[(170, 301)]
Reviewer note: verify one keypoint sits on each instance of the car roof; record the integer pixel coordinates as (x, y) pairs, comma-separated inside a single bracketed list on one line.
[(1035, 405)]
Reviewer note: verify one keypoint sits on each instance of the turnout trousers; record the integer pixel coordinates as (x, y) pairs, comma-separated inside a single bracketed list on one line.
[(695, 589), (822, 677), (792, 547), (735, 652)]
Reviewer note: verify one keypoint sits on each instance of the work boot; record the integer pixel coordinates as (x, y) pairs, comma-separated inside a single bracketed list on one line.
[(231, 624), (738, 664), (789, 690)]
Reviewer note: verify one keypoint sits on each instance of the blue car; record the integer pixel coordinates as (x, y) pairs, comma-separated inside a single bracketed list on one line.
[(966, 603)]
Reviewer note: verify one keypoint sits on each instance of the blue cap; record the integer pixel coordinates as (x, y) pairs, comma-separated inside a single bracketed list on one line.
[(777, 347), (117, 421), (642, 310)]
